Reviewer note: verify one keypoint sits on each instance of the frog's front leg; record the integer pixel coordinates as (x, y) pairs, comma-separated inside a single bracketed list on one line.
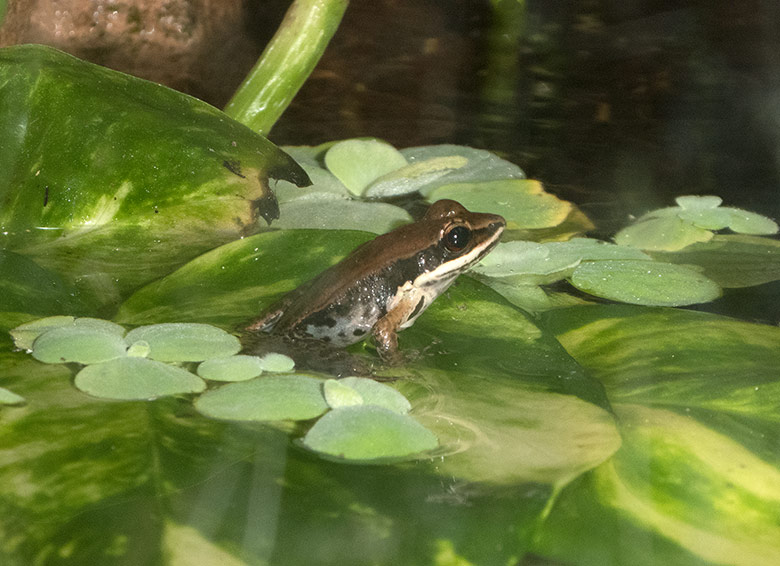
[(385, 330)]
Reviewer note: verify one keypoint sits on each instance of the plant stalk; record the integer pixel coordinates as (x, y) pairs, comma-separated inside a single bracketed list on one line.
[(286, 63)]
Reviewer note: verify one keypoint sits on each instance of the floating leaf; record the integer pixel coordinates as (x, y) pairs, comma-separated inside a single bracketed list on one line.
[(272, 398), (644, 282), (185, 342), (338, 394), (338, 214), (25, 334), (368, 432), (276, 363), (414, 176), (233, 368), (732, 260), (358, 163), (139, 349), (83, 345), (136, 378), (379, 394), (522, 202), (745, 222), (698, 203), (10, 398), (668, 233), (482, 165)]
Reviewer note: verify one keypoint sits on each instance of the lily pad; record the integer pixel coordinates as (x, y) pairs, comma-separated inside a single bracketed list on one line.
[(414, 176), (368, 432), (25, 334), (358, 163), (185, 342), (136, 378), (83, 345), (10, 398), (233, 368), (272, 398), (644, 282), (379, 394), (669, 233), (339, 394), (276, 363), (522, 202)]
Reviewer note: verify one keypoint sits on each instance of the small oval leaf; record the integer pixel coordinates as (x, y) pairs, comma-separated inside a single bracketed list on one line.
[(368, 432), (338, 394), (82, 345), (358, 163), (644, 282), (276, 363), (379, 394), (272, 398), (233, 368), (136, 379), (185, 342)]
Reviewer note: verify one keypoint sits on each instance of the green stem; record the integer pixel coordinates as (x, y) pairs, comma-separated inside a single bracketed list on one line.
[(286, 62)]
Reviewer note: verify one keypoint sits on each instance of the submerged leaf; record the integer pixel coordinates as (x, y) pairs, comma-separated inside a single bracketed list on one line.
[(272, 398), (10, 398), (185, 342), (338, 214), (644, 282), (136, 378), (368, 432)]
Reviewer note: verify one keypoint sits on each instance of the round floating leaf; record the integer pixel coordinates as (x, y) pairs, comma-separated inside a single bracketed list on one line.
[(522, 202), (83, 345), (698, 203), (234, 368), (368, 432), (644, 282), (375, 393), (481, 166), (340, 214), (746, 222), (711, 219), (667, 233), (272, 398), (185, 342), (338, 394), (10, 398), (414, 176), (276, 363), (358, 163), (136, 378), (25, 335)]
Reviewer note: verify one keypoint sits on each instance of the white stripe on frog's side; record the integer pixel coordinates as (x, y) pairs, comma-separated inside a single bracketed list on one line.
[(429, 285)]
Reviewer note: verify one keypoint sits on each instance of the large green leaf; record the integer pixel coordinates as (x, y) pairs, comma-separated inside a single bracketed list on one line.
[(98, 163), (697, 476)]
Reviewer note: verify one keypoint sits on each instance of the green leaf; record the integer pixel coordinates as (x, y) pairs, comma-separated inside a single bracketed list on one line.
[(10, 398), (337, 214), (644, 282), (339, 394), (695, 203), (481, 166), (745, 222), (367, 433), (233, 368), (272, 398), (667, 233), (412, 177), (732, 261), (358, 163), (276, 363), (25, 334), (231, 284), (185, 342), (379, 394), (136, 378), (80, 344), (523, 203), (99, 164)]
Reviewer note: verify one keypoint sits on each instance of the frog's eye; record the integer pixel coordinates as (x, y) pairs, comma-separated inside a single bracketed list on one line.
[(457, 238)]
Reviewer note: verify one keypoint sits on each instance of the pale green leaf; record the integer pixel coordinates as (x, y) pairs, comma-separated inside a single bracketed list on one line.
[(136, 378), (338, 214), (10, 398), (644, 282), (375, 393), (357, 163), (368, 432), (338, 394), (83, 345), (276, 363), (185, 342), (232, 368), (668, 233), (745, 222), (412, 177), (698, 203)]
